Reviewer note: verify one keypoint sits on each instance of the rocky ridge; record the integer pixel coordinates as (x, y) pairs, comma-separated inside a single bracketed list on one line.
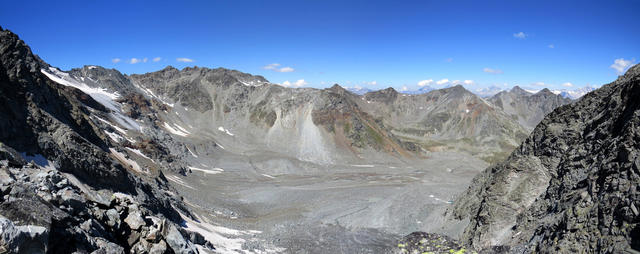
[(527, 108), (571, 187), (66, 186)]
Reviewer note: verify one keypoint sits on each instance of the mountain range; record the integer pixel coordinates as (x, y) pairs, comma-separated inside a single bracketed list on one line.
[(169, 161)]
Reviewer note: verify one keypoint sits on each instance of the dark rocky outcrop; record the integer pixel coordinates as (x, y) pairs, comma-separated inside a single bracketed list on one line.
[(61, 188), (571, 187)]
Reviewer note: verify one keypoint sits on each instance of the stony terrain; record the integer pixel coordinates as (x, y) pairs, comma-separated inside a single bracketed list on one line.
[(571, 187)]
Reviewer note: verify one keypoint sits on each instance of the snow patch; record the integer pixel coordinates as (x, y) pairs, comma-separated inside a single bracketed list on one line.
[(268, 176), (212, 171), (222, 129), (181, 132), (128, 163), (115, 137), (138, 152), (224, 239), (101, 95), (194, 155), (179, 181), (92, 67), (363, 166)]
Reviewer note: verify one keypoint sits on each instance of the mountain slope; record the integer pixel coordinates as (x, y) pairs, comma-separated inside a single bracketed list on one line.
[(446, 119), (65, 185), (529, 109), (571, 186)]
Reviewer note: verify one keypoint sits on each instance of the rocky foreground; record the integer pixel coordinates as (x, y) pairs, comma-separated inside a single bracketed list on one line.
[(63, 187), (573, 186)]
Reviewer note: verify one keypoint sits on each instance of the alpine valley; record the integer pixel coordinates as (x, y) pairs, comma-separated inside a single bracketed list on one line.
[(203, 160)]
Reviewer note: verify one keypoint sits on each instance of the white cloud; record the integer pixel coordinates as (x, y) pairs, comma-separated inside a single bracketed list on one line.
[(274, 67), (567, 84), (285, 69), (372, 83), (425, 82), (539, 84), (492, 71), (115, 60), (620, 65), (442, 81), (468, 82), (144, 60), (157, 59), (296, 84), (134, 60), (551, 46), (520, 35), (184, 60), (404, 89)]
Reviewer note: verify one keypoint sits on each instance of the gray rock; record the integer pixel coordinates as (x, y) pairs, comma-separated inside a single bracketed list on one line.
[(158, 248), (176, 241), (23, 239), (135, 220), (105, 247)]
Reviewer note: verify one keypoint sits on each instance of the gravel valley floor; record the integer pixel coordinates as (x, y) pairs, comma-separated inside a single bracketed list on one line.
[(310, 208)]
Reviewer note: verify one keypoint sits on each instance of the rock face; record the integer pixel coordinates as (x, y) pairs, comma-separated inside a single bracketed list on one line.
[(64, 187), (527, 108), (571, 187)]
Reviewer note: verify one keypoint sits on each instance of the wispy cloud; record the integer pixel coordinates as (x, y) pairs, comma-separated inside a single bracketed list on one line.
[(621, 65), (157, 59), (404, 89), (276, 67), (371, 83), (442, 81), (551, 46), (144, 60), (184, 60), (567, 84), (492, 71), (538, 84), (449, 60), (425, 82), (116, 60), (520, 35), (296, 84), (285, 69), (468, 82), (134, 60)]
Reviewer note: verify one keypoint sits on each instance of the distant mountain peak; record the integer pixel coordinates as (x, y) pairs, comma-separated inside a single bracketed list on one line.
[(519, 90)]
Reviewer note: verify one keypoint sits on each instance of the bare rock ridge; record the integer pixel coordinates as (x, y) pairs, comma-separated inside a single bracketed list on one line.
[(571, 187), (527, 108), (63, 185)]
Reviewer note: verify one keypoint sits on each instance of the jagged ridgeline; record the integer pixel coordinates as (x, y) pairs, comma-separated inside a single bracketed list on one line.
[(74, 194), (573, 186)]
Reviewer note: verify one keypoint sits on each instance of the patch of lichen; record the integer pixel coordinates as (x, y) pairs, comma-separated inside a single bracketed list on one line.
[(427, 243)]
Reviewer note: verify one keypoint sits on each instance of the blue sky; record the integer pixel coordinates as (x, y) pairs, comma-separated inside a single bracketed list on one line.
[(372, 44)]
